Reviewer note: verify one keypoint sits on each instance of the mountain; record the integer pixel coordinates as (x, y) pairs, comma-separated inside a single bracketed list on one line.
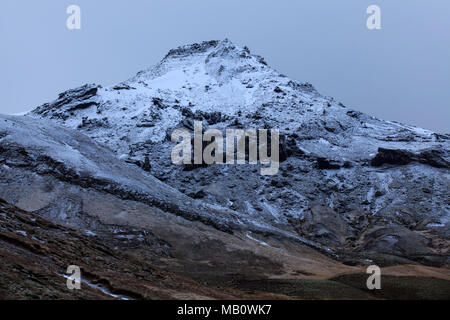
[(355, 165), (352, 190)]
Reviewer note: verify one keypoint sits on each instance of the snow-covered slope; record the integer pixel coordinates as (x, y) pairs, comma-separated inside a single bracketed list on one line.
[(220, 77), (38, 158), (332, 156)]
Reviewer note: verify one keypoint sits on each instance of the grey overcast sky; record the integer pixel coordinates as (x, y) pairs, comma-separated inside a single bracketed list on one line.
[(401, 72)]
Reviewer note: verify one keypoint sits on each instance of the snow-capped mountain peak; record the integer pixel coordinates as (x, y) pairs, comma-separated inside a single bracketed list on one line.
[(212, 76)]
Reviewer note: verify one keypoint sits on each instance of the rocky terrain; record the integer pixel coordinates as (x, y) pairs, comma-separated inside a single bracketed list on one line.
[(352, 190)]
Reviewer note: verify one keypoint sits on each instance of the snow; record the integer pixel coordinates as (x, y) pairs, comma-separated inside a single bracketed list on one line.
[(254, 239), (99, 287), (21, 232), (90, 233)]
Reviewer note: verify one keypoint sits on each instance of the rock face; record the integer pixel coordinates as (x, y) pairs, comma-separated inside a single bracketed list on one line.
[(327, 227), (350, 186), (434, 157)]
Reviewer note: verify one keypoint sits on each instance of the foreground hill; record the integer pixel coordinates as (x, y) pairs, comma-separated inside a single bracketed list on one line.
[(35, 254)]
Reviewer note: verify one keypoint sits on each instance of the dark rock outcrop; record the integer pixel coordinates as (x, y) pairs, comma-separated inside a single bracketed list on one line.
[(433, 157)]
